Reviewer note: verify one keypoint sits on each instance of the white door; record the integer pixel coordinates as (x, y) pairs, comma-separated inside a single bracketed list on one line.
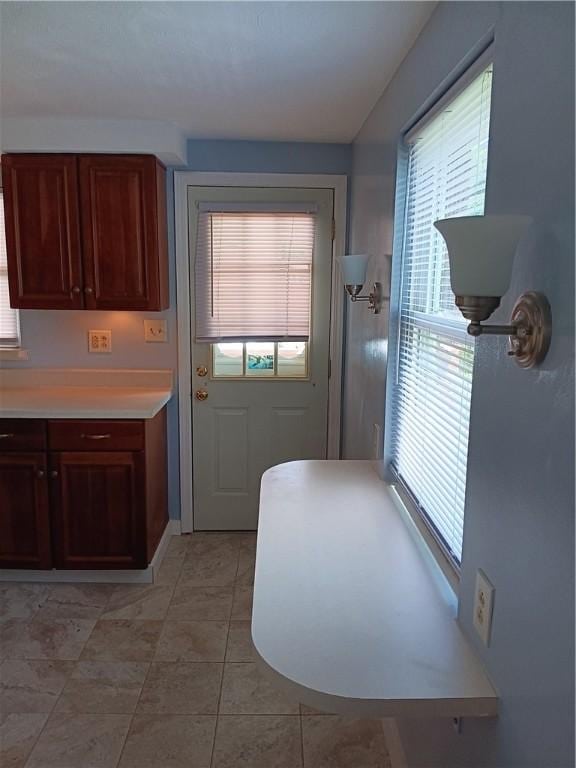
[(264, 402)]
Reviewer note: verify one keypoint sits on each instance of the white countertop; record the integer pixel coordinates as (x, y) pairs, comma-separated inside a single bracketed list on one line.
[(348, 614), (28, 393)]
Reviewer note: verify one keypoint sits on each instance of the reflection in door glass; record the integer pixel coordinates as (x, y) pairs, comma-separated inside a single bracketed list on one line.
[(260, 360), (228, 359), (292, 358)]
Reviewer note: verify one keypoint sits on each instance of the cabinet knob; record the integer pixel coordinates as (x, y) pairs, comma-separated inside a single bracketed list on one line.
[(88, 289), (76, 289), (54, 473), (41, 473)]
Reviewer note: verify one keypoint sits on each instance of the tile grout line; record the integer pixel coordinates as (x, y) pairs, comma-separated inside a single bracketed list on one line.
[(301, 734), (224, 662), (133, 714), (37, 739), (68, 677), (98, 618)]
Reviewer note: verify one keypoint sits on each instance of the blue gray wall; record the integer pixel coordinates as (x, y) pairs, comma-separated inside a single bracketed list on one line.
[(59, 339), (520, 498)]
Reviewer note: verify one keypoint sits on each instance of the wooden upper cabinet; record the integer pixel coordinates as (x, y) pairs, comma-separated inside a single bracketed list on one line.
[(86, 231), (42, 231), (123, 232)]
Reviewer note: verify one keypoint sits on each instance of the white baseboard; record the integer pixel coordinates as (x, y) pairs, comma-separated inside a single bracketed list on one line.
[(173, 528), (394, 743), (145, 576)]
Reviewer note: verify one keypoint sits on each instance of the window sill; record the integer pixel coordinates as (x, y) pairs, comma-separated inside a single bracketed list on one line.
[(423, 536), (10, 353)]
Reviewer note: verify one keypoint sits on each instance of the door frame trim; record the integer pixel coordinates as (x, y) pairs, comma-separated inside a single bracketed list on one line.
[(182, 180)]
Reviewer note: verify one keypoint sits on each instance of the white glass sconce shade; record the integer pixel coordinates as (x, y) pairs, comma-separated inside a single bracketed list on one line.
[(481, 251), (353, 267)]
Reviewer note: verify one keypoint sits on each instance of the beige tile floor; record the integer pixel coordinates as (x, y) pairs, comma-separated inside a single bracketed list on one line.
[(158, 676)]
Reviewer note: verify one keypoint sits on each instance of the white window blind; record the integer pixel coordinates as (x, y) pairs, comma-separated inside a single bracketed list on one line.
[(431, 399), (9, 328), (253, 275)]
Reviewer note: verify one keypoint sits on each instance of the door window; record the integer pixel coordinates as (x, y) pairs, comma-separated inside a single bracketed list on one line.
[(260, 360)]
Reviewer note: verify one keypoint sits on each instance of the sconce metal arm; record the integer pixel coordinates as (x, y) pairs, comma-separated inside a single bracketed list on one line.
[(530, 329), (476, 328), (374, 299)]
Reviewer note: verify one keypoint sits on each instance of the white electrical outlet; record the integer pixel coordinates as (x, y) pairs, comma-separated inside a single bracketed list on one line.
[(100, 341), (155, 330), (483, 607)]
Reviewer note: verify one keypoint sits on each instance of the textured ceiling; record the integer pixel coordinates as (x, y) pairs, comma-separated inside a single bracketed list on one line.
[(304, 71)]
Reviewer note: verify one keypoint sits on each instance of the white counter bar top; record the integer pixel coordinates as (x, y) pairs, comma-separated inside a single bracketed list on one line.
[(348, 615), (41, 393)]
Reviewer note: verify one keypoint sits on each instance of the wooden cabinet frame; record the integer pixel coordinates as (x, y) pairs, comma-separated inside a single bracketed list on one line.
[(86, 231), (88, 504)]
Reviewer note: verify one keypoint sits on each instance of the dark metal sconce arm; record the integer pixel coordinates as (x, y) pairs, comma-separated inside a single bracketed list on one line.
[(476, 328), (374, 299), (529, 331)]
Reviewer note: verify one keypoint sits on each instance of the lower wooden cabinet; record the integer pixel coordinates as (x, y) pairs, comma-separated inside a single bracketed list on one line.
[(95, 498), (96, 504), (24, 513)]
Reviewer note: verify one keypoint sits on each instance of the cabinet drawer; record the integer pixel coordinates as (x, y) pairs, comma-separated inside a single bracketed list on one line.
[(22, 435), (95, 435)]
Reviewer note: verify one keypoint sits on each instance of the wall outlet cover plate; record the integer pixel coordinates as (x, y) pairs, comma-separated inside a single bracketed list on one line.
[(100, 342), (483, 607), (155, 330)]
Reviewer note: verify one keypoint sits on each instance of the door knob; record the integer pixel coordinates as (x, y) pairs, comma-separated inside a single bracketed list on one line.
[(201, 394), (202, 370)]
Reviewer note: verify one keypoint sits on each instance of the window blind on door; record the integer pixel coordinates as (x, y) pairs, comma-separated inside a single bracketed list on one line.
[(9, 328), (431, 398), (253, 275)]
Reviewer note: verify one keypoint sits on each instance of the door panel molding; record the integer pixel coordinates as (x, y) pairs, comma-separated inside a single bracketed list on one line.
[(231, 450), (184, 179), (286, 422)]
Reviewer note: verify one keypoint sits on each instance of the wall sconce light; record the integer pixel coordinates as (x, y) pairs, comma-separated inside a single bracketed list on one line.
[(353, 267), (481, 251)]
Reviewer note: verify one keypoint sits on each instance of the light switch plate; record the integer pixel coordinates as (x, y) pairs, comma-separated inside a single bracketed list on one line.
[(483, 607), (100, 342), (155, 330)]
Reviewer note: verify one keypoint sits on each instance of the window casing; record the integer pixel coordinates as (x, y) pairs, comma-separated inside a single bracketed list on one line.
[(9, 321), (429, 411)]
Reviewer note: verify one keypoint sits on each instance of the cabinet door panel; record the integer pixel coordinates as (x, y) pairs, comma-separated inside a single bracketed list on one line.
[(120, 221), (42, 231), (24, 516), (98, 510)]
